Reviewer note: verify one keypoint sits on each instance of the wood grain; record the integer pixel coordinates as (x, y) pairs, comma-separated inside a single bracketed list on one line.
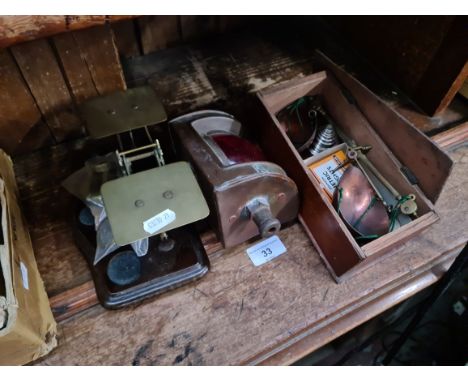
[(158, 32), (310, 340), (19, 115), (16, 29), (75, 68), (73, 301), (452, 138), (82, 297), (98, 50), (183, 86), (126, 38), (196, 27), (242, 314), (42, 73), (429, 165)]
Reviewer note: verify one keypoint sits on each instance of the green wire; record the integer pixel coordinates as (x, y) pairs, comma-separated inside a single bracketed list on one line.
[(340, 197), (364, 237), (395, 211), (294, 107)]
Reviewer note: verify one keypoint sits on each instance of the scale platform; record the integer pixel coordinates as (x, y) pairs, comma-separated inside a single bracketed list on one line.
[(167, 197), (122, 111)]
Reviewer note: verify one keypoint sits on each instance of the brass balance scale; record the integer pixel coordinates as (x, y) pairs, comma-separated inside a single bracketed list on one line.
[(135, 220)]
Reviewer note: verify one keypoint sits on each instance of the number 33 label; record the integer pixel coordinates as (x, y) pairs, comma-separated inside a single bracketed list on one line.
[(266, 250)]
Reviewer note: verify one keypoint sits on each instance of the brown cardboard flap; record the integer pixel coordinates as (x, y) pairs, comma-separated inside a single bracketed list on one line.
[(430, 165), (30, 329)]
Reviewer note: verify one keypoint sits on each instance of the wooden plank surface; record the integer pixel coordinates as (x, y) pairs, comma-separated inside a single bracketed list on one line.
[(314, 338), (185, 79), (75, 68), (100, 53), (42, 73), (19, 115), (16, 29), (82, 297), (45, 205), (158, 32), (73, 301), (238, 312), (196, 27), (126, 38), (321, 36), (453, 138), (447, 70)]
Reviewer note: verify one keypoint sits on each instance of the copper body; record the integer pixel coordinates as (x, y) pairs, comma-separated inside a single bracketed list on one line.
[(359, 207), (245, 199)]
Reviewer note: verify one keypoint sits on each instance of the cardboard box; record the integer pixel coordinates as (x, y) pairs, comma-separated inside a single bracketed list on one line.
[(402, 153), (27, 327)]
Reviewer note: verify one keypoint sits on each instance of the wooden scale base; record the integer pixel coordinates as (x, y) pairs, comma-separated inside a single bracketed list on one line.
[(159, 270)]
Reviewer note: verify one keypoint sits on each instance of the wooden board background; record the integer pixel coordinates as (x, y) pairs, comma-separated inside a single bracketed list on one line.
[(46, 79), (426, 56), (43, 81)]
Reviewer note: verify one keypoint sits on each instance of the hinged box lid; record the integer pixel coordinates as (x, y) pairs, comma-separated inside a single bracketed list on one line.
[(428, 163)]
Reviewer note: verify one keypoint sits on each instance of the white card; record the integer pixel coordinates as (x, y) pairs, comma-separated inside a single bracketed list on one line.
[(24, 275), (266, 250), (159, 221)]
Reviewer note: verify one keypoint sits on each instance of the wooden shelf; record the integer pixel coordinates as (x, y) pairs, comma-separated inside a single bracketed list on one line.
[(237, 313), (17, 29)]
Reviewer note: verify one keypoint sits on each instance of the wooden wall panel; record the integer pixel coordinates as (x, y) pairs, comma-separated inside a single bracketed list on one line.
[(98, 50), (158, 32), (447, 70), (75, 68), (422, 55), (126, 38), (19, 115), (196, 27), (51, 76), (40, 69), (229, 23)]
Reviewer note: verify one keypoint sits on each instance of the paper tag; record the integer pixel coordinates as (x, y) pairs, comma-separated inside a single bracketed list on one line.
[(159, 221), (24, 275), (266, 250), (325, 171)]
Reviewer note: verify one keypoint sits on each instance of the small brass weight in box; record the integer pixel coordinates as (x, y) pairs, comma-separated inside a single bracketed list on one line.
[(134, 221)]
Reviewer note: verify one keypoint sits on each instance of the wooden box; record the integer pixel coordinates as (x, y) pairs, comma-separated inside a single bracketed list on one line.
[(403, 154)]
